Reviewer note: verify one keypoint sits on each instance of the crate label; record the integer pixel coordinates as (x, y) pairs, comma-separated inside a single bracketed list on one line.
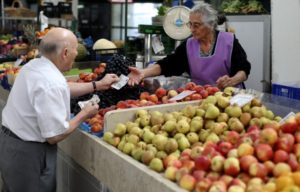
[(241, 99), (94, 100), (291, 114), (182, 95), (121, 83)]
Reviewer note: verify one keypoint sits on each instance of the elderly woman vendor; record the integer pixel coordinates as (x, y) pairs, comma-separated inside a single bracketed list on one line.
[(209, 56)]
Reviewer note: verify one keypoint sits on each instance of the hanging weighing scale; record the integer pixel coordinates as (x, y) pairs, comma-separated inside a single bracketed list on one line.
[(175, 23)]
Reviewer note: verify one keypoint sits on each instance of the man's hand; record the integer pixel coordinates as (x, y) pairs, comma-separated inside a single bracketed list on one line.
[(90, 110), (135, 76), (106, 81)]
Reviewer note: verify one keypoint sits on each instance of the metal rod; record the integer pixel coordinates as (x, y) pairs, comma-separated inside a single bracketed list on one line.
[(2, 15), (126, 24)]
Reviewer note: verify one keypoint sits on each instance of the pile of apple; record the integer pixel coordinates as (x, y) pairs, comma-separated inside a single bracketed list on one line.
[(216, 146), (88, 77), (161, 96)]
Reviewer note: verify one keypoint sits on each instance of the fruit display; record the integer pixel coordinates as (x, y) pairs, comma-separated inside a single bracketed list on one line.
[(215, 146), (113, 100), (8, 74)]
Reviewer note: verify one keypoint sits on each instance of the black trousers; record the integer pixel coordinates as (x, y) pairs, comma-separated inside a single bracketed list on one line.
[(26, 166)]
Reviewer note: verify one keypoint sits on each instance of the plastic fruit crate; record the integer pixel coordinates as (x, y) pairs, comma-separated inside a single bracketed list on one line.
[(286, 91)]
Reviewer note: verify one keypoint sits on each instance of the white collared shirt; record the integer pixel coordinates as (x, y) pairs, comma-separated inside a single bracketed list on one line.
[(38, 106)]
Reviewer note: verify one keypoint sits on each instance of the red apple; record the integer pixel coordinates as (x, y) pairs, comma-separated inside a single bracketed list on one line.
[(246, 161), (226, 179), (217, 163), (213, 176), (167, 160), (252, 128), (180, 173), (198, 88), (170, 173), (202, 163), (245, 149), (245, 177), (232, 137), (258, 170), (297, 117), (224, 147), (153, 98), (160, 92), (297, 136), (199, 174), (219, 186), (237, 182), (296, 150), (280, 156), (187, 182), (289, 126), (268, 136), (180, 89), (144, 95), (270, 166), (285, 142), (189, 164), (232, 166), (212, 90), (264, 152), (204, 93), (203, 185), (293, 162), (196, 96), (281, 169), (190, 86)]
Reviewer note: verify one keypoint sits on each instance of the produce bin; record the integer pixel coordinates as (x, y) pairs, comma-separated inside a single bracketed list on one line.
[(286, 91)]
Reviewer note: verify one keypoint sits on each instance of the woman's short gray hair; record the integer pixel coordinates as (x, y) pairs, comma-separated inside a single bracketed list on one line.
[(208, 13)]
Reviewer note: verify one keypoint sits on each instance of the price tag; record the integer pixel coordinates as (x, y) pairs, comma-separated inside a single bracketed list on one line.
[(182, 95), (121, 83), (286, 117), (241, 99), (94, 100)]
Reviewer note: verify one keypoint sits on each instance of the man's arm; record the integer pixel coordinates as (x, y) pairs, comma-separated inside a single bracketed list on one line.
[(78, 89)]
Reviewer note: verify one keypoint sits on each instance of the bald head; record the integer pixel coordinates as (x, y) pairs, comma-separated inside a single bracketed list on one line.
[(55, 40)]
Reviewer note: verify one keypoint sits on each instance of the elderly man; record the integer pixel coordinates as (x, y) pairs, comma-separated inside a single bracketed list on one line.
[(37, 115)]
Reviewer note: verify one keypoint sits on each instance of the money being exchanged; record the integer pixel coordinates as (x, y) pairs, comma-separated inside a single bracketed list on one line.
[(94, 100), (121, 83)]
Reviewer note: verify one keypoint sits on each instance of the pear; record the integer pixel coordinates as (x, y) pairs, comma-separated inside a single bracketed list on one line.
[(208, 124), (256, 102), (159, 141), (257, 111), (169, 126), (128, 147), (196, 125), (133, 139), (236, 125), (269, 114), (147, 156), (114, 141), (151, 147), (203, 134), (183, 126), (142, 145), (223, 117), (223, 102), (157, 118), (277, 118), (246, 108), (233, 111), (156, 164), (192, 137), (148, 136), (189, 111), (229, 90), (137, 153), (211, 99), (264, 120), (145, 120), (137, 131), (178, 135), (171, 146), (169, 116), (162, 132), (200, 112), (120, 129), (256, 121), (121, 145), (212, 112), (129, 125), (176, 153), (107, 136), (141, 113), (161, 155), (183, 143), (176, 114), (155, 128), (219, 128), (245, 118), (213, 137)]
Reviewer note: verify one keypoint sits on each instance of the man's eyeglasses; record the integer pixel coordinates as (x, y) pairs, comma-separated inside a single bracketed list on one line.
[(195, 24)]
